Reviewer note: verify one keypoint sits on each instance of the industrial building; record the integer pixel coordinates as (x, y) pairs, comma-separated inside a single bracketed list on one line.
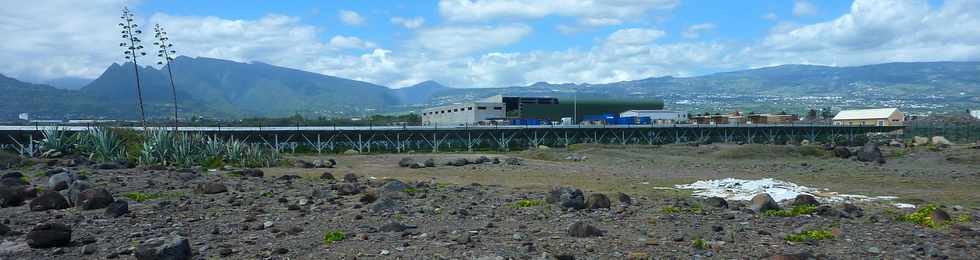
[(580, 109), (870, 117), (463, 113), (660, 117)]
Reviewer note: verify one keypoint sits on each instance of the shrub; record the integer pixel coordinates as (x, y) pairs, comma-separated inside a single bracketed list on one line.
[(795, 211), (810, 235), (333, 236), (922, 217), (693, 209), (142, 196), (56, 139), (528, 203)]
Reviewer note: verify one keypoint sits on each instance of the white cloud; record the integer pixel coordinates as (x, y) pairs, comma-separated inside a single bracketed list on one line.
[(462, 40), (410, 23), (877, 31), (804, 8), (634, 36), (770, 16), (694, 31), (350, 42), (45, 41), (350, 17), (589, 12)]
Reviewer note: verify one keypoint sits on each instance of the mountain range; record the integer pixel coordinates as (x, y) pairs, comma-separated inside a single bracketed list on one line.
[(227, 89)]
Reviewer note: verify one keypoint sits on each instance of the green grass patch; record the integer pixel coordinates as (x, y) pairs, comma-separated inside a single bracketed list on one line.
[(143, 196), (333, 236), (810, 235), (923, 217), (267, 194), (792, 212), (411, 190), (527, 203), (762, 151), (693, 209), (699, 244)]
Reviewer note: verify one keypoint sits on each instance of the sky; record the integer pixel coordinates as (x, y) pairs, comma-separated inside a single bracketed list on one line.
[(493, 43)]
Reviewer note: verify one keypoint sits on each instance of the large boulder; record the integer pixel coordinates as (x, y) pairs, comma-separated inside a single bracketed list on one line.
[(566, 198), (60, 181), (920, 141), (805, 200), (49, 235), (13, 179), (302, 164), (175, 248), (321, 163), (75, 189), (717, 202), (406, 162), (940, 141), (762, 202), (623, 198), (117, 208), (94, 199), (842, 152), (253, 173), (49, 200), (870, 153), (597, 201), (345, 189), (939, 217), (11, 196), (460, 162)]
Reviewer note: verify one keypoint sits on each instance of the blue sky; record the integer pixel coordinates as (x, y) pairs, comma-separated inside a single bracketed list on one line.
[(488, 43)]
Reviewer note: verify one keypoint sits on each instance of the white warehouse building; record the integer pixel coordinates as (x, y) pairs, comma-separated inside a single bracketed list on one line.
[(658, 116), (464, 113)]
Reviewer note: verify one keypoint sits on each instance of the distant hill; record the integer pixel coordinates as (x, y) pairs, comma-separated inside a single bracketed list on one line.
[(228, 89), (244, 89), (419, 93), (71, 83)]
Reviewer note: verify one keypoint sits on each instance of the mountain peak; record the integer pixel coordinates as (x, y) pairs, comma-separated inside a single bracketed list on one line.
[(428, 84)]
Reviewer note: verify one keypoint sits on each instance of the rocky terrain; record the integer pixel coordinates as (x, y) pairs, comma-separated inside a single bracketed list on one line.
[(451, 206)]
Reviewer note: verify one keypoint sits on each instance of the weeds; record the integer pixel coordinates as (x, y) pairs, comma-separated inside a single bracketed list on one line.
[(923, 217), (699, 244), (793, 212), (527, 203), (333, 236), (143, 197), (693, 209), (810, 235)]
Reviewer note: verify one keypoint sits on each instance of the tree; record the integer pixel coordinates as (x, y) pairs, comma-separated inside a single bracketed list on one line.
[(134, 48), (166, 55)]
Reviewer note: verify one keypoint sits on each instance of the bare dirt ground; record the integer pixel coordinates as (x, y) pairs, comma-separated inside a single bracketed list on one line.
[(370, 207)]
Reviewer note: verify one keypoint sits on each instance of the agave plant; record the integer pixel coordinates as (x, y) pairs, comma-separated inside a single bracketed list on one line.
[(186, 152), (56, 139), (157, 148), (102, 145)]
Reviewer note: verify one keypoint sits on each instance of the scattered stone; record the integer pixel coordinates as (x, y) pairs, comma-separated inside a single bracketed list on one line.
[(117, 208), (842, 152), (828, 211), (326, 176), (638, 256), (49, 235), (406, 162), (75, 190), (939, 216), (302, 164), (395, 227), (920, 141), (430, 162), (94, 199), (762, 202), (623, 198), (4, 229), (49, 200), (853, 210), (597, 201), (514, 161), (566, 198), (581, 229), (717, 202), (941, 142), (320, 163), (256, 173), (459, 162), (345, 189), (870, 153), (175, 248), (60, 181), (11, 196), (805, 200), (89, 249), (350, 177), (211, 188)]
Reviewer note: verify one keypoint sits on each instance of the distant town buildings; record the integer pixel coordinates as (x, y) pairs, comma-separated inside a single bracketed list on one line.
[(657, 116), (876, 117)]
